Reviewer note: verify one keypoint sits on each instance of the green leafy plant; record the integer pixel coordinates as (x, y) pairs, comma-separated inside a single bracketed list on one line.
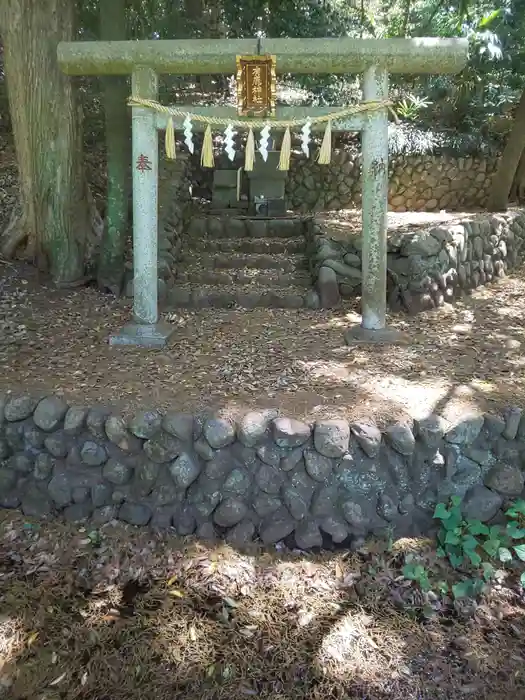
[(515, 531), (468, 588), (410, 107), (458, 538), (467, 543), (415, 571), (95, 538)]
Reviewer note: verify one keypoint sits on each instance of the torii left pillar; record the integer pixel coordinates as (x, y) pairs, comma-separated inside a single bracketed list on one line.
[(145, 330)]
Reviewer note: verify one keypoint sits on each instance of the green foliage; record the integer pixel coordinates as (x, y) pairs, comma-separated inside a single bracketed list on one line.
[(411, 106), (458, 538), (516, 511), (476, 101), (467, 543), (476, 551), (95, 538), (415, 571), (468, 588)]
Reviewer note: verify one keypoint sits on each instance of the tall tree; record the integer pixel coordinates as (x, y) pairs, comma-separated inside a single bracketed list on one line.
[(57, 220), (502, 28), (110, 272), (508, 170)]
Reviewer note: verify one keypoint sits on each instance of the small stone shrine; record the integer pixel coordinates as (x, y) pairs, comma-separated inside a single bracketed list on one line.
[(261, 191), (259, 184)]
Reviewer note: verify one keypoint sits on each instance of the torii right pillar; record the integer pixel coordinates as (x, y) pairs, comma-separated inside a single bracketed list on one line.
[(374, 179)]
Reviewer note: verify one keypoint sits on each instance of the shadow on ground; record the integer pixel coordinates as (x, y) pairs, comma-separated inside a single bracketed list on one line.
[(144, 616), (468, 355)]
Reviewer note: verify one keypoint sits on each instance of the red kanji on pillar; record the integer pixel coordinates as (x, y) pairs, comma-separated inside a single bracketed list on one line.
[(143, 163)]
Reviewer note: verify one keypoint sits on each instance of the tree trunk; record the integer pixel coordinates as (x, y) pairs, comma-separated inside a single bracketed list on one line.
[(118, 153), (194, 13), (518, 186), (504, 177), (56, 218)]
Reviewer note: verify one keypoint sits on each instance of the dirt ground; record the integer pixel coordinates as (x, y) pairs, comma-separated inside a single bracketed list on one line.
[(122, 614), (347, 222), (466, 356)]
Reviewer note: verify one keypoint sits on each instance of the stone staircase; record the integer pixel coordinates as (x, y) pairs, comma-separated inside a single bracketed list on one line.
[(236, 261)]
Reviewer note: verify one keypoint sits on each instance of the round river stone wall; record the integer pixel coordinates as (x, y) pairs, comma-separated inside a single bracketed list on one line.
[(264, 476), (416, 183), (426, 267)]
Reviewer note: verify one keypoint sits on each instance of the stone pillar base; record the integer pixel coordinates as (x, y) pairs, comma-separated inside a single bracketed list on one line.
[(142, 336), (358, 335)]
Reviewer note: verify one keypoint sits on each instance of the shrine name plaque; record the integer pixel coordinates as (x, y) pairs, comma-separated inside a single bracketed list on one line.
[(256, 86)]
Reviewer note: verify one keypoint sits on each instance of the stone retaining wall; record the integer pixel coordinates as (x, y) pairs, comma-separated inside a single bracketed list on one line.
[(425, 267), (264, 476), (417, 183)]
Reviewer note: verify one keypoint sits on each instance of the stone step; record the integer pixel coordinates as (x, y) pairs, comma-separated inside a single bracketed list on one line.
[(236, 261), (244, 276), (245, 227), (217, 296), (249, 245)]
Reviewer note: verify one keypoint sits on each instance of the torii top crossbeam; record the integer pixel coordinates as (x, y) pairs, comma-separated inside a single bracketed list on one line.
[(209, 56)]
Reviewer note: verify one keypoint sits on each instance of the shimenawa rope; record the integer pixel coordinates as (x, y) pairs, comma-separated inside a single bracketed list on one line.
[(207, 159)]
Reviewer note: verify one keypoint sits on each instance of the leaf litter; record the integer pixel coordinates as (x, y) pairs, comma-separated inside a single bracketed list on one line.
[(466, 357), (144, 615)]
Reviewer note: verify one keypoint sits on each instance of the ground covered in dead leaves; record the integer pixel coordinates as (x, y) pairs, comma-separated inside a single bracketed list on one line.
[(469, 355), (122, 614)]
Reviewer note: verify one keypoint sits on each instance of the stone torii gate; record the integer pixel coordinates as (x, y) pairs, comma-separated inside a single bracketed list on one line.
[(375, 58)]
